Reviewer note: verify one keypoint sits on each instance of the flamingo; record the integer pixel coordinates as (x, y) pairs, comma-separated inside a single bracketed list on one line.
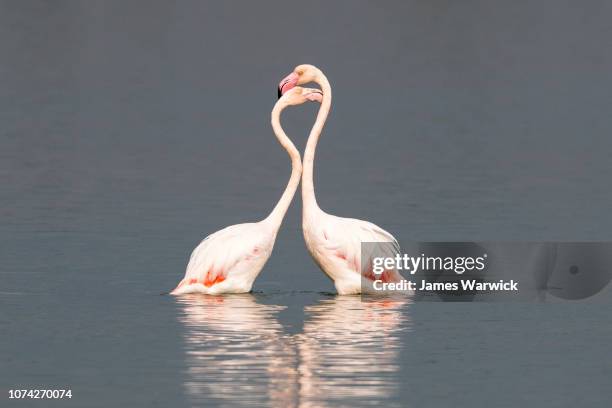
[(229, 260), (335, 242)]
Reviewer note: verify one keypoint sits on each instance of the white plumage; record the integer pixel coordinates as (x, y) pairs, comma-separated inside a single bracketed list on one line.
[(229, 260), (335, 242)]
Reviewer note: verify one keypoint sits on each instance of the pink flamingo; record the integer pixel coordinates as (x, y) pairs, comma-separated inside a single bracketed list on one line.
[(335, 242), (229, 260)]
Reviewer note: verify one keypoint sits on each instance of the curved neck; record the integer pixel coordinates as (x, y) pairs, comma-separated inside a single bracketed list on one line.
[(278, 213), (308, 195)]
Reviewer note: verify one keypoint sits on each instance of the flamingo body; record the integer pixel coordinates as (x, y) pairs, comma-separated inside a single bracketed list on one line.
[(230, 260), (335, 242)]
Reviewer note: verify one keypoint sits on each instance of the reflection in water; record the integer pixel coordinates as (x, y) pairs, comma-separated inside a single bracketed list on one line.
[(348, 351), (238, 353)]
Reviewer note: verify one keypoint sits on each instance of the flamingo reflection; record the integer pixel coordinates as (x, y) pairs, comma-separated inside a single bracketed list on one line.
[(236, 352), (239, 355), (348, 351)]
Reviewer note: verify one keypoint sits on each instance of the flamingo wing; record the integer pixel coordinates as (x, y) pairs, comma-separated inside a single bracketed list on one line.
[(214, 258), (342, 239)]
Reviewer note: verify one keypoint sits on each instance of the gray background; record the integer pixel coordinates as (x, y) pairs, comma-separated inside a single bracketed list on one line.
[(131, 130)]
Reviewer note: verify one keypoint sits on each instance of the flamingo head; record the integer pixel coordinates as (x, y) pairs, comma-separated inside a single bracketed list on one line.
[(298, 95), (302, 74)]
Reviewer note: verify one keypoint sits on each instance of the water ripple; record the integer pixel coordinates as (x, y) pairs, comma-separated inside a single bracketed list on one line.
[(238, 354)]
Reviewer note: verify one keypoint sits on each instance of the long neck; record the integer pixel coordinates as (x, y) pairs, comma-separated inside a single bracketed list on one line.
[(308, 194), (278, 213)]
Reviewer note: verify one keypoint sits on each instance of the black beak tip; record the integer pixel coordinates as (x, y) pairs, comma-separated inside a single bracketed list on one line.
[(279, 92)]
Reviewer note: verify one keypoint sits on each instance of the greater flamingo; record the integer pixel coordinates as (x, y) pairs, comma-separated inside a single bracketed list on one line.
[(335, 242), (229, 260)]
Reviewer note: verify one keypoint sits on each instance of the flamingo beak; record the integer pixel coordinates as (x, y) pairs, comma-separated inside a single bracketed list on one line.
[(287, 83)]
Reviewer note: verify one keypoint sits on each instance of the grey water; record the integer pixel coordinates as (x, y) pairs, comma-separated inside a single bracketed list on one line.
[(131, 130)]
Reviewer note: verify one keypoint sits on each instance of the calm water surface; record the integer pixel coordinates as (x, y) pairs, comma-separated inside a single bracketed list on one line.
[(129, 131)]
